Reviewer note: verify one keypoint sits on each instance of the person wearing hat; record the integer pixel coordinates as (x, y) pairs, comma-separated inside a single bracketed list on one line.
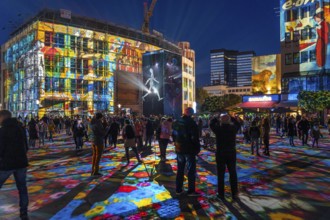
[(187, 147), (225, 133), (97, 142), (129, 140), (322, 30)]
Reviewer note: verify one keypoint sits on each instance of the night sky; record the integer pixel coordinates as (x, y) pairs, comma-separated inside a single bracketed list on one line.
[(206, 24)]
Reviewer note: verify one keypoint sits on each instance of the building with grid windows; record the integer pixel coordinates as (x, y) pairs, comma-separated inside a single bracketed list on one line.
[(70, 65), (231, 68)]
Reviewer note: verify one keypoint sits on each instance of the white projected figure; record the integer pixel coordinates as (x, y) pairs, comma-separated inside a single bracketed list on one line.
[(152, 88)]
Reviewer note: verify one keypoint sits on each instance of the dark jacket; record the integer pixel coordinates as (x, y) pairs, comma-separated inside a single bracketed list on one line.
[(13, 145), (186, 136), (149, 128), (304, 125), (292, 129), (114, 129), (98, 132), (79, 131), (225, 136)]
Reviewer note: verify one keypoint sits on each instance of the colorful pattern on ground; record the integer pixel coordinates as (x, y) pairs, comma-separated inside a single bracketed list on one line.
[(293, 183)]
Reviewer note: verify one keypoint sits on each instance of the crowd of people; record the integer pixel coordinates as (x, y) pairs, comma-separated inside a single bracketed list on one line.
[(17, 135)]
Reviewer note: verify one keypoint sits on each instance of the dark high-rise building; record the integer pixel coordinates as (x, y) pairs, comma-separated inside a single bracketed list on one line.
[(230, 67)]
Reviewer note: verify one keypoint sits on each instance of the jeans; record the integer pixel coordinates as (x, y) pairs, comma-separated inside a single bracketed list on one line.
[(51, 136), (182, 159), (291, 140), (97, 153), (139, 142), (304, 137), (20, 179), (227, 159), (266, 142), (162, 146), (79, 143), (41, 138), (32, 143), (315, 140), (148, 140), (254, 143)]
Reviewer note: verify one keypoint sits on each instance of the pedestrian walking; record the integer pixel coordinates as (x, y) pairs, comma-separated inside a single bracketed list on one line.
[(304, 126), (265, 132), (33, 133), (316, 134), (164, 137), (292, 131), (42, 127), (113, 133)]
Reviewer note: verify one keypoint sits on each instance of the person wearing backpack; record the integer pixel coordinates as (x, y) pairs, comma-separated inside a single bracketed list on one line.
[(187, 147), (254, 133), (129, 140), (164, 136)]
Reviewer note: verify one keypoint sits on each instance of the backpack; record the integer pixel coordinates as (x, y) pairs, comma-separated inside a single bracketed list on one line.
[(129, 132)]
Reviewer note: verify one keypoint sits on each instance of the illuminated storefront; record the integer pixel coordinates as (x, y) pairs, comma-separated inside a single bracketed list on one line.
[(260, 102), (66, 68)]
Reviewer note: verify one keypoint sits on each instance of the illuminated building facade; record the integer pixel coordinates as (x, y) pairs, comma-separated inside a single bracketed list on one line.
[(305, 45), (74, 65)]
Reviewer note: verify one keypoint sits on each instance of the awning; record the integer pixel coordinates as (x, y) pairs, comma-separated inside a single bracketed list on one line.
[(266, 104), (287, 104)]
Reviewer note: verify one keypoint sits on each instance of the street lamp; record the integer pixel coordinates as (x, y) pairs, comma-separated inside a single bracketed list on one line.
[(119, 108)]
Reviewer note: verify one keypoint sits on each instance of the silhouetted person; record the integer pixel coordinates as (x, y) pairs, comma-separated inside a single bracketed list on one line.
[(13, 158), (225, 133)]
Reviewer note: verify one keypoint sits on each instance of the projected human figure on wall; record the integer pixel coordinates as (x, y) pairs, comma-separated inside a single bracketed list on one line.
[(323, 38), (152, 88)]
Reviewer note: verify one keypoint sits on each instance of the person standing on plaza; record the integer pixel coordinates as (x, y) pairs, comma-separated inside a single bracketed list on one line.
[(291, 131), (129, 140), (164, 138), (33, 133), (98, 133), (13, 158), (42, 127), (187, 147), (265, 135), (315, 134), (138, 134), (254, 133), (113, 133), (79, 133), (51, 130), (278, 124), (304, 126), (225, 133), (149, 132)]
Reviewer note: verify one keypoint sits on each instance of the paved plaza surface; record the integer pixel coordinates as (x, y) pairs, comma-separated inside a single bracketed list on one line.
[(293, 183)]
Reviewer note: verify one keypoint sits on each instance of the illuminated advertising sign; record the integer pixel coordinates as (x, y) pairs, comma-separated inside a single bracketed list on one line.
[(305, 35), (262, 98), (266, 74)]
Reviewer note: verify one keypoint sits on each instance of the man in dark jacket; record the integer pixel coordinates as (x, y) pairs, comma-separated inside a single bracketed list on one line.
[(113, 133), (187, 147), (13, 158), (304, 127), (98, 142), (225, 154)]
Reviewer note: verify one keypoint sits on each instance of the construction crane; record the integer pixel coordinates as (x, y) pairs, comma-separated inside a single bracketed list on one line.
[(147, 16)]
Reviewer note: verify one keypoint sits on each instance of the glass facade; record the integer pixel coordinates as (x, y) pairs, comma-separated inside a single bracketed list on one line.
[(231, 68), (52, 68)]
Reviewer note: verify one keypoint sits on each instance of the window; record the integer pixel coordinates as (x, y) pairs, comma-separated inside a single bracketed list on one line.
[(59, 40), (288, 15), (73, 42), (295, 14), (304, 57), (312, 55), (48, 38), (85, 44), (304, 34), (73, 63), (296, 58), (288, 59), (312, 33), (287, 37), (296, 36), (304, 12)]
